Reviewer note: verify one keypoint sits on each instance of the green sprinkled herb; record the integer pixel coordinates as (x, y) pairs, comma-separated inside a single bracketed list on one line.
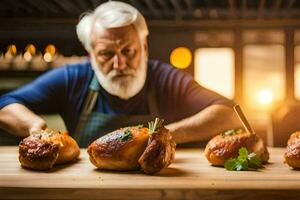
[(231, 132), (244, 161), (126, 135), (139, 126), (154, 125)]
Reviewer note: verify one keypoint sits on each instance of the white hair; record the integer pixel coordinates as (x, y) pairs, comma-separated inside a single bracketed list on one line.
[(112, 14)]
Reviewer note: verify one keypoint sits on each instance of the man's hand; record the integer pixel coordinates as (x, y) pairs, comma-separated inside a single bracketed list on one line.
[(37, 127), (20, 121), (205, 124)]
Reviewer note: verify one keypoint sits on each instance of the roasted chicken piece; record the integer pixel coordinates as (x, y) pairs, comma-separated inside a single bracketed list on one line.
[(292, 154), (45, 148), (120, 149), (134, 148), (226, 145), (159, 153)]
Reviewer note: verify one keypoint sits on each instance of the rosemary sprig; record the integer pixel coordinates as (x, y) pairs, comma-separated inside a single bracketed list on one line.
[(154, 125)]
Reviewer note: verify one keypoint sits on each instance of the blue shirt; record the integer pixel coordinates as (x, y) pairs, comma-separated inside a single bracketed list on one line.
[(63, 91)]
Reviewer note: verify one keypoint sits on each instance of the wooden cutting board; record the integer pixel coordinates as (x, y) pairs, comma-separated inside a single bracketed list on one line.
[(189, 177)]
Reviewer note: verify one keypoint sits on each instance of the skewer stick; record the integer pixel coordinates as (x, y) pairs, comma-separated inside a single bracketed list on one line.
[(243, 119)]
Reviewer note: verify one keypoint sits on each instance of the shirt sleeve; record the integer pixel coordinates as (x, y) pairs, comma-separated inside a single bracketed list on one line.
[(180, 96), (44, 95)]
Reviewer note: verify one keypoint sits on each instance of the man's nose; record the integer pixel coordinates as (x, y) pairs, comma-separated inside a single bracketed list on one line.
[(119, 62)]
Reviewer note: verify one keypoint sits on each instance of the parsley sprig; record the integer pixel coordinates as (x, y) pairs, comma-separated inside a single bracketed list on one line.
[(244, 161), (231, 132), (126, 135)]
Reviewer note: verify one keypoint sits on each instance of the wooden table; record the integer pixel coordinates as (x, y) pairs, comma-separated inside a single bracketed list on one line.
[(189, 177)]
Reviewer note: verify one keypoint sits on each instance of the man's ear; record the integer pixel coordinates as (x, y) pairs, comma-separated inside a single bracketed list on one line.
[(145, 46)]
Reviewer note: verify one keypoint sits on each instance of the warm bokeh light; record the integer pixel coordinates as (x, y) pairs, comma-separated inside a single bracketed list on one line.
[(29, 52), (50, 51), (214, 69), (263, 69), (31, 49), (50, 48), (47, 57), (265, 97), (181, 57), (11, 51), (27, 56)]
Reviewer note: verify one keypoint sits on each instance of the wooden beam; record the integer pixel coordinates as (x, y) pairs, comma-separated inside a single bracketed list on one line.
[(261, 8), (288, 7), (137, 5), (289, 64), (190, 6), (93, 3), (244, 8), (63, 7), (165, 8), (238, 61), (216, 24), (219, 24), (21, 6), (152, 8), (276, 5), (37, 7), (71, 7), (82, 5), (178, 11), (232, 8), (290, 4)]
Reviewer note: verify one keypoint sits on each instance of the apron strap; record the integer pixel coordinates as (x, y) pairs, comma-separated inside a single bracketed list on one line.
[(92, 97), (88, 106)]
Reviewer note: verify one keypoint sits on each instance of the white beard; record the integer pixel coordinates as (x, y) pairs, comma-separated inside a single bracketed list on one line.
[(123, 87)]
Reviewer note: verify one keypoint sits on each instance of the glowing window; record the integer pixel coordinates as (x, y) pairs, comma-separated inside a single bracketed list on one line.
[(297, 72), (181, 57), (264, 76), (214, 69)]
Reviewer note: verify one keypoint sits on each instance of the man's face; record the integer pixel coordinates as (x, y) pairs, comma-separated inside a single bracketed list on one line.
[(117, 49), (119, 60)]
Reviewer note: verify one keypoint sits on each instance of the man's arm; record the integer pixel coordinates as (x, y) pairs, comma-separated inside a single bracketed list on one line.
[(19, 120), (205, 124)]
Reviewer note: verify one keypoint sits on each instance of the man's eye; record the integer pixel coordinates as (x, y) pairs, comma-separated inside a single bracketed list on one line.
[(128, 52), (106, 54)]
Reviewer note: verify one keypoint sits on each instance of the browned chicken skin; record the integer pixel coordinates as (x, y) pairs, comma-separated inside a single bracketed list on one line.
[(45, 148), (222, 147), (132, 148), (292, 154), (116, 153), (159, 153)]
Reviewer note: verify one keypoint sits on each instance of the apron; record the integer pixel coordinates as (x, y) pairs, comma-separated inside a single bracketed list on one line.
[(93, 125)]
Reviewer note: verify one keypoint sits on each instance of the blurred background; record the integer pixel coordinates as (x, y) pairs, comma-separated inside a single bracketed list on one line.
[(247, 50)]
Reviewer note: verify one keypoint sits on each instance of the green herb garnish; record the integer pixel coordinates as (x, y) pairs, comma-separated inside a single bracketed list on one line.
[(231, 132), (154, 125), (139, 126), (126, 135), (244, 161)]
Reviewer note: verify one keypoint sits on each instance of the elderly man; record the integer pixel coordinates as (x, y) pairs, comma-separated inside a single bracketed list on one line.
[(118, 86)]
